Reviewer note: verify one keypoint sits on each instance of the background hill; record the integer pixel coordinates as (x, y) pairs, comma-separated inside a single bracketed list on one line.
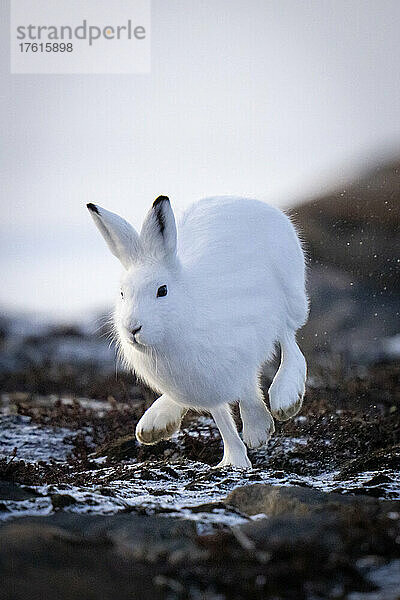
[(352, 237)]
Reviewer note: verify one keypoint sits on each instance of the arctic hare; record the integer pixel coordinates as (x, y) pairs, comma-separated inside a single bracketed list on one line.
[(202, 308)]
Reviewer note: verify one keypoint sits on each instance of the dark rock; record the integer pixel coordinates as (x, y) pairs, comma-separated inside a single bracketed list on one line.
[(170, 471), (42, 560), (152, 538), (300, 555), (11, 491), (373, 492), (158, 492), (378, 480), (59, 501), (309, 532), (70, 556), (279, 474), (105, 491), (208, 507)]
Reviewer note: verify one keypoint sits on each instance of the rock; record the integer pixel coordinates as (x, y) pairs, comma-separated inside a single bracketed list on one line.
[(59, 501), (138, 536), (12, 491), (207, 507), (155, 538), (275, 500), (378, 479), (311, 540), (75, 556), (376, 492), (308, 533)]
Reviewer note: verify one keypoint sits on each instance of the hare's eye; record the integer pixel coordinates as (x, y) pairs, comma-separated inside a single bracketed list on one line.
[(162, 291), (122, 294)]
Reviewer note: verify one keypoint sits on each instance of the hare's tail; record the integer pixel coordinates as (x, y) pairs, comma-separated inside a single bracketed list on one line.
[(288, 387)]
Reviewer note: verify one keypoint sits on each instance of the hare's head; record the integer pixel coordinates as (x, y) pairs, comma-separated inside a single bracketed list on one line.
[(150, 283)]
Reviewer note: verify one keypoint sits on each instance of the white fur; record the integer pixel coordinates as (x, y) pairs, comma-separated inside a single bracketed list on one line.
[(236, 288)]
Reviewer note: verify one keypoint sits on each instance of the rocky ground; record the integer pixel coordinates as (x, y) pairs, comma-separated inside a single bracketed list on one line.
[(87, 512)]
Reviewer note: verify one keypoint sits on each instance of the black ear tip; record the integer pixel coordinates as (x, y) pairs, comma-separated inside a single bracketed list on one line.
[(159, 200), (93, 208)]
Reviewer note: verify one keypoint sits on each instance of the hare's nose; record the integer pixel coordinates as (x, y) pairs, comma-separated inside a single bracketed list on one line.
[(136, 330)]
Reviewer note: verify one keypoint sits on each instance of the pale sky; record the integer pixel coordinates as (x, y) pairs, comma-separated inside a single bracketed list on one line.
[(273, 99)]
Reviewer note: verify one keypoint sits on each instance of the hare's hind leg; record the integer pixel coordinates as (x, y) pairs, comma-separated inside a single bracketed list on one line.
[(235, 453), (288, 387), (160, 421), (258, 424)]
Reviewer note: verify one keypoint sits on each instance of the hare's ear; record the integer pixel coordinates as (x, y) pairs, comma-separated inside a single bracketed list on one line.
[(158, 234), (120, 236)]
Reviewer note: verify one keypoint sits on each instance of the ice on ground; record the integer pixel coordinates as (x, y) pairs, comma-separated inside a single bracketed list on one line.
[(386, 577), (33, 442), (189, 489)]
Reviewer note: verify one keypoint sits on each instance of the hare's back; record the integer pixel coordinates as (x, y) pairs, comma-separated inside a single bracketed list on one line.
[(245, 256), (241, 230)]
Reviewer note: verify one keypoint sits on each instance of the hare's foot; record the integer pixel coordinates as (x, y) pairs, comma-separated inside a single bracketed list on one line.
[(235, 462), (288, 387), (258, 424), (160, 421), (235, 453)]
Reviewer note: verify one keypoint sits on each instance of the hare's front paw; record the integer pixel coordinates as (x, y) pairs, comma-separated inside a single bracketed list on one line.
[(159, 422), (154, 427)]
